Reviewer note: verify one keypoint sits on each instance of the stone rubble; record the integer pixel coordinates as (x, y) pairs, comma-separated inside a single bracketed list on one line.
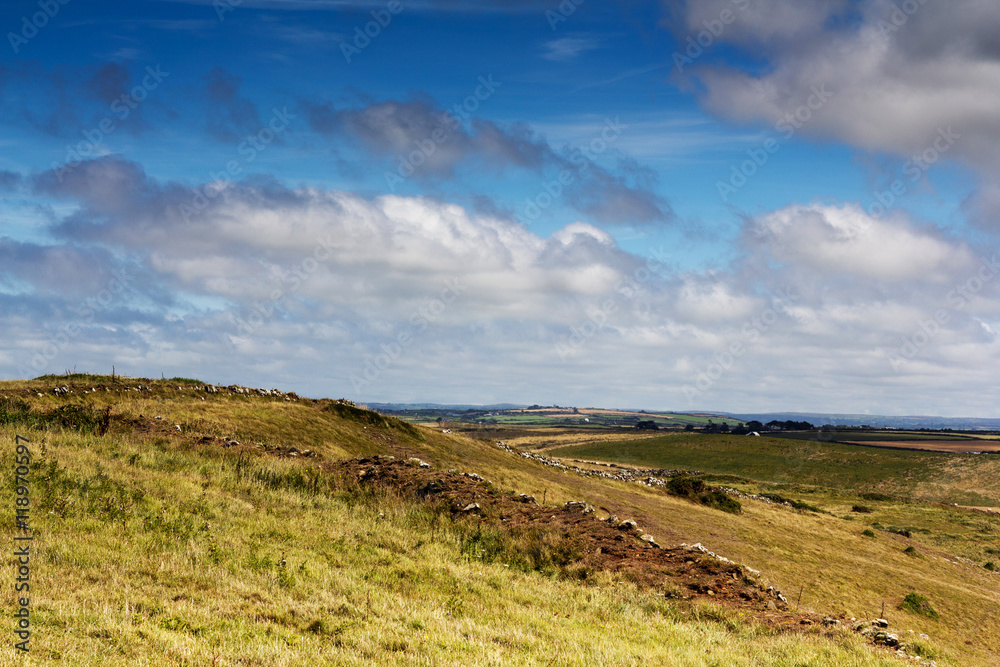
[(647, 477), (877, 632)]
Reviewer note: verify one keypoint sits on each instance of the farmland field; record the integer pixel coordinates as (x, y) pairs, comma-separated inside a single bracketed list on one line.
[(964, 479)]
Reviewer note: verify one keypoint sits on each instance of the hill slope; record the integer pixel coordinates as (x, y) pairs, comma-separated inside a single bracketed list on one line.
[(175, 525)]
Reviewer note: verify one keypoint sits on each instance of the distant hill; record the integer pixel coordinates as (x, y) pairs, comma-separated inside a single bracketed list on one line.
[(907, 422)]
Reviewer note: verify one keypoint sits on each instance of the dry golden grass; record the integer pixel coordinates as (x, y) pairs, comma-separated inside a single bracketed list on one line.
[(191, 571)]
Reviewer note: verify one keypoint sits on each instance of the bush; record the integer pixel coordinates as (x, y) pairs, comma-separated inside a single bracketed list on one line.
[(991, 566), (721, 500), (911, 551), (799, 505), (685, 485), (695, 489), (862, 509), (918, 604), (868, 532), (871, 495)]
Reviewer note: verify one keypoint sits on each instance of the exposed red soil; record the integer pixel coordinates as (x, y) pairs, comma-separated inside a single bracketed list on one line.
[(673, 571)]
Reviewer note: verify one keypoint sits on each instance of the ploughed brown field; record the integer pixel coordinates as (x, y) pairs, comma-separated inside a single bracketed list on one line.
[(950, 446)]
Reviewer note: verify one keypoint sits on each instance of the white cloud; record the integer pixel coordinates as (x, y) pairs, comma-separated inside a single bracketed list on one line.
[(905, 83), (845, 242), (311, 285)]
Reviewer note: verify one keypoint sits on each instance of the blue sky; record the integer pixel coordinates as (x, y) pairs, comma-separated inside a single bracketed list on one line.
[(509, 201)]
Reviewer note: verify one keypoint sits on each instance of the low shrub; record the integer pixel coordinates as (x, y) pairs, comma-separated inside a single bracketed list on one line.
[(918, 604), (873, 495), (721, 500), (685, 485), (695, 489)]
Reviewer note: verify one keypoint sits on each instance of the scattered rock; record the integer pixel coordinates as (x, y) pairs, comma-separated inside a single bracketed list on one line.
[(471, 507)]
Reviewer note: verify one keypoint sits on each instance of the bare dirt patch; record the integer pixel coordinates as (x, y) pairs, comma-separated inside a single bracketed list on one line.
[(675, 571)]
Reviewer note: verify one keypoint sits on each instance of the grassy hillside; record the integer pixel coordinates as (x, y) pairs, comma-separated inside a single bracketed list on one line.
[(227, 541)]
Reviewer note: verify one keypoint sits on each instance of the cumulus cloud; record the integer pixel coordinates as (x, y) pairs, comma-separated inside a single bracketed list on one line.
[(310, 280), (376, 251), (758, 23), (897, 78), (847, 243), (424, 141)]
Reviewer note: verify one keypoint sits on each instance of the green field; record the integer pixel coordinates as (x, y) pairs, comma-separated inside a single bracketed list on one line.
[(950, 478)]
